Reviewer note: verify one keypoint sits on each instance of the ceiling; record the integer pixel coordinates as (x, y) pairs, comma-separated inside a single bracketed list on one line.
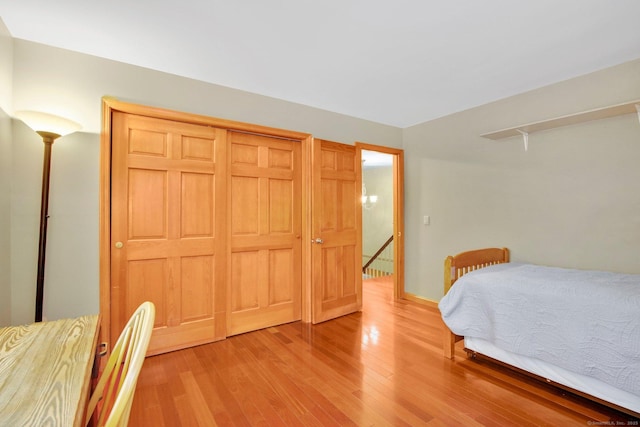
[(399, 62)]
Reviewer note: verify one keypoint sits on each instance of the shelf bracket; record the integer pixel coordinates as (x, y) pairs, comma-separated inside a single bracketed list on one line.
[(525, 138)]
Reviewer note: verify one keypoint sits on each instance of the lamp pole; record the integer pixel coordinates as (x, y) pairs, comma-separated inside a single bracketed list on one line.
[(48, 138), (56, 127)]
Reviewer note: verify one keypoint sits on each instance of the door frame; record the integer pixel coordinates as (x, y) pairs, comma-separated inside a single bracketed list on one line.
[(398, 211), (111, 104)]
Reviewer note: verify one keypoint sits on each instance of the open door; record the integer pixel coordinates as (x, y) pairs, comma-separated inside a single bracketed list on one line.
[(336, 231)]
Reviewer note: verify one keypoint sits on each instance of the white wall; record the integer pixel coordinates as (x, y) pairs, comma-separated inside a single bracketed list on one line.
[(572, 200), (6, 68), (5, 219), (72, 84), (6, 90), (569, 201)]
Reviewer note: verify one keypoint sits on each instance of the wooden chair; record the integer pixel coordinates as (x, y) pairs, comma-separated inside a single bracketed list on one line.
[(117, 383)]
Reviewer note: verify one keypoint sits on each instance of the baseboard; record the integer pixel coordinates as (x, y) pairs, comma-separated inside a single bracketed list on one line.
[(420, 300)]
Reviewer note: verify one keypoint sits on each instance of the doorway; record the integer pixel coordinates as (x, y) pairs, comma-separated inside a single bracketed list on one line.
[(382, 216)]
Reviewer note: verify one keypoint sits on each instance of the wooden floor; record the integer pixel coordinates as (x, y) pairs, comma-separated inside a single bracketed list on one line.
[(383, 366)]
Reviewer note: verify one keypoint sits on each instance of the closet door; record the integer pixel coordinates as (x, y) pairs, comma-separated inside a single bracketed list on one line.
[(336, 231), (167, 241), (265, 216)]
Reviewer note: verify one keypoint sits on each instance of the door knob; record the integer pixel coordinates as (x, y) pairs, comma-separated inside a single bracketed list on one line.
[(317, 240), (119, 245)]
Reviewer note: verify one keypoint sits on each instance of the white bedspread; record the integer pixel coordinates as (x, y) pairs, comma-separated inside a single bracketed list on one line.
[(584, 321)]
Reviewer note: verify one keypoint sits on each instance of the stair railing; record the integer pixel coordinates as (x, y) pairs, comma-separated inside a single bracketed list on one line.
[(377, 254)]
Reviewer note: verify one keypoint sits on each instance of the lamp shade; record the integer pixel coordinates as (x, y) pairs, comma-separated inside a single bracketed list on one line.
[(44, 122)]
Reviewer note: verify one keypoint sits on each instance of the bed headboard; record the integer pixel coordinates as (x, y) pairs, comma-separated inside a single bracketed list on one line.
[(458, 265)]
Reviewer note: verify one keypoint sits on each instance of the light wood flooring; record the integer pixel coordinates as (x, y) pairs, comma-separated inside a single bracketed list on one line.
[(381, 367)]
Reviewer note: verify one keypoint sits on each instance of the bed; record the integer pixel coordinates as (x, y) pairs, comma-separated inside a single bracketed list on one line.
[(577, 329)]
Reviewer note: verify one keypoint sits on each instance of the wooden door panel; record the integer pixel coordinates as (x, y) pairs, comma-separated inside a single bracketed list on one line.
[(263, 289), (280, 206), (350, 270), (150, 276), (148, 215), (339, 210), (197, 216), (331, 276), (197, 279), (165, 218), (281, 276), (245, 205), (336, 258), (198, 149), (349, 207), (265, 272), (147, 141), (250, 281)]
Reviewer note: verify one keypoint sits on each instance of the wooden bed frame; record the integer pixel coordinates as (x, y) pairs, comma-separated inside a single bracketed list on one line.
[(457, 266)]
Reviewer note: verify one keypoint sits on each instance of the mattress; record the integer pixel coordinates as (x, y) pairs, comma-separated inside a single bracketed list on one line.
[(582, 383)]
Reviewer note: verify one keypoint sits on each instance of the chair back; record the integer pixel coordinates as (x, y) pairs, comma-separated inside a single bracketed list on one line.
[(112, 398)]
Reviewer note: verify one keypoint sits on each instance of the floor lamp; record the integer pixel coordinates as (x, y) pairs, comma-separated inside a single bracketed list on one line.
[(50, 128)]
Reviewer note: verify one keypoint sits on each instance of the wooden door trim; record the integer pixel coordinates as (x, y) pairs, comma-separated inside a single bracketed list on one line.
[(111, 104), (307, 167), (104, 224), (198, 119), (398, 212)]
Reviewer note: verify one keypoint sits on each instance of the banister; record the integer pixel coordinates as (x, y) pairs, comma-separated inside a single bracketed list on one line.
[(377, 254)]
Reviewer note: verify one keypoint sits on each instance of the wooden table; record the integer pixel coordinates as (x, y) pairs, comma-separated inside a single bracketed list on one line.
[(45, 371)]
